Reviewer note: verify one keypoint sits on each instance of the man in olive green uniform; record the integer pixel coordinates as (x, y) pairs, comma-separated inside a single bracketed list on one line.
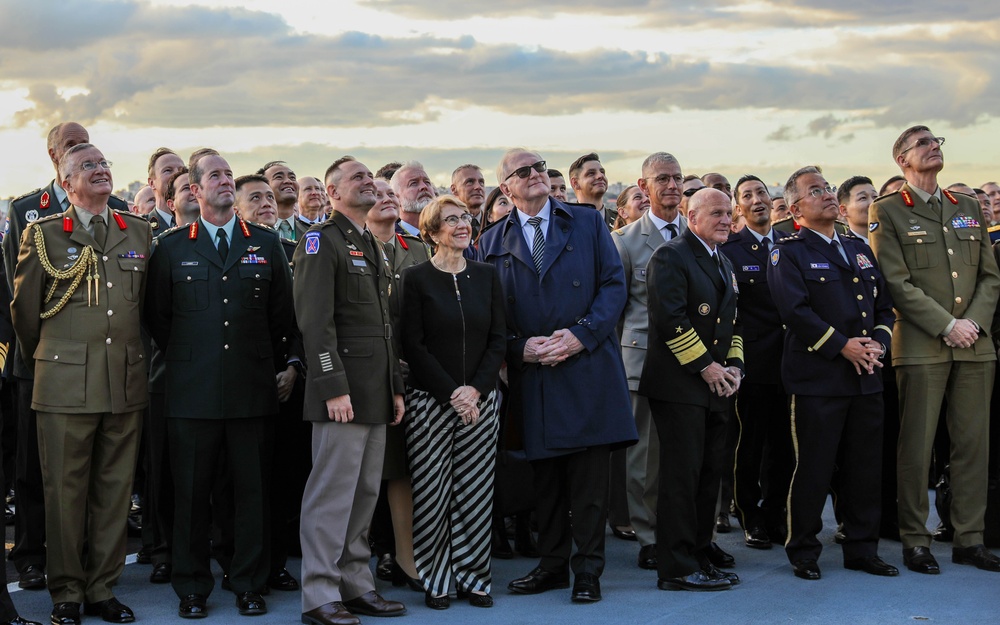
[(936, 257), (78, 289)]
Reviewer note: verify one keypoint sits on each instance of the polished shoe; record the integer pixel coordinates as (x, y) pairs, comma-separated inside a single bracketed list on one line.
[(715, 573), (65, 613), (718, 557), (193, 606), (699, 581), (722, 524), (250, 603), (977, 555), (624, 533), (143, 556), (437, 603), (873, 565), (586, 588), (372, 604), (333, 613), (282, 580), (110, 610), (647, 557), (539, 580), (17, 620), (777, 533), (31, 578), (384, 568), (757, 538), (920, 560), (400, 579), (806, 569), (499, 546), (161, 573)]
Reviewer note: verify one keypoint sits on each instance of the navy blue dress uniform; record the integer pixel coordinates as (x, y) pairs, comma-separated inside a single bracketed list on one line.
[(29, 522), (223, 324), (824, 300), (692, 323), (764, 461)]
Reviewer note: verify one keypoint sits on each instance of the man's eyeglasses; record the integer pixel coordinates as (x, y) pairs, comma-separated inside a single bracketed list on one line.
[(524, 172), (923, 142), (91, 165), (452, 220), (819, 192)]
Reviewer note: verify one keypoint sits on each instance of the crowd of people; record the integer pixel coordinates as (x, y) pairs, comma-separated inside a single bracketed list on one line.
[(353, 366)]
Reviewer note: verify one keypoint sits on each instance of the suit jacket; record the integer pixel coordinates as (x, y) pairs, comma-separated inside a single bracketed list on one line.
[(157, 223), (763, 334), (938, 268), (583, 401), (824, 301), (223, 325), (301, 227), (342, 288), (636, 243), (407, 251), (692, 323), (88, 357), (30, 207)]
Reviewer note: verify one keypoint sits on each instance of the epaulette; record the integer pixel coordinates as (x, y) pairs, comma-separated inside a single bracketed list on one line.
[(42, 220), (261, 227), (173, 230), (850, 234), (995, 228), (882, 197), (28, 194), (617, 231), (795, 237), (128, 214)]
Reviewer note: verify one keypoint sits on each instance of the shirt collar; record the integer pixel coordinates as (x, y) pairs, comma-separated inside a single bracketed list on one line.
[(662, 223), (211, 229), (925, 196), (544, 214)]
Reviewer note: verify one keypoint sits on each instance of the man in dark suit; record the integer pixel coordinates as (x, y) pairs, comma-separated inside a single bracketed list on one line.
[(695, 345), (636, 243), (218, 304), (565, 292), (763, 455), (163, 164), (87, 354), (28, 553), (832, 298), (354, 390)]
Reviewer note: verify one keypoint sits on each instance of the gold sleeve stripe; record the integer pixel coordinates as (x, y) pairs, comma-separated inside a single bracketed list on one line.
[(736, 348), (886, 328), (4, 347), (691, 354), (823, 339), (685, 339)]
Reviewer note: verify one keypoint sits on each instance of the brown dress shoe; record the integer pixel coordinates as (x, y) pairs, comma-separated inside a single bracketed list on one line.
[(333, 613), (372, 604)]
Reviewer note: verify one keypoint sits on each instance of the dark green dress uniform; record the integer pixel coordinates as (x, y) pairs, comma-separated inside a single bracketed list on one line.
[(936, 258)]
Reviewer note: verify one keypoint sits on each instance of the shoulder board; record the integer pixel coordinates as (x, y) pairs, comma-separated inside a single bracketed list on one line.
[(995, 228), (407, 235), (261, 227), (782, 220), (47, 218), (792, 239), (849, 234), (173, 230), (887, 195), (130, 215), (28, 194)]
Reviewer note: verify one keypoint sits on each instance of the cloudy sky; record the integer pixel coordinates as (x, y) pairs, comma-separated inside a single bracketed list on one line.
[(735, 86)]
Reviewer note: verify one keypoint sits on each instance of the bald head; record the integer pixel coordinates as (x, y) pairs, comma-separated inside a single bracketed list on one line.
[(710, 215), (61, 138)]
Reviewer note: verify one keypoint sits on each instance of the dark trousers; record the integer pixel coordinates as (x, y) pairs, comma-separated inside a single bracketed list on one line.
[(7, 610), (29, 522), (823, 429), (195, 445), (289, 472), (576, 484), (158, 508), (764, 457), (692, 439)]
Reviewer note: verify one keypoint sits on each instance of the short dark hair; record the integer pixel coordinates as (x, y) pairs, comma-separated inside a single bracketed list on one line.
[(578, 164), (743, 180), (155, 156), (555, 173), (332, 169), (269, 165), (168, 193), (844, 191), (900, 144), (885, 185), (242, 180), (386, 171), (690, 177)]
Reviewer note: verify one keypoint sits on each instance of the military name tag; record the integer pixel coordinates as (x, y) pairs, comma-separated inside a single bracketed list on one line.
[(918, 233), (819, 265), (189, 263), (751, 267), (359, 263)]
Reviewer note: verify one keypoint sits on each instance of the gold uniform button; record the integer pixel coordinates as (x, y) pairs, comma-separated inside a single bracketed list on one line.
[(822, 279), (751, 280), (921, 241), (861, 297), (945, 228), (972, 238), (715, 342), (864, 333), (855, 280), (718, 320), (958, 300), (864, 314), (954, 274), (635, 342)]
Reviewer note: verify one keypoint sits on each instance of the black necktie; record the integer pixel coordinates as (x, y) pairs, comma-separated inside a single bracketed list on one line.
[(768, 242), (840, 250), (538, 243), (673, 230), (223, 243), (100, 230), (718, 263)]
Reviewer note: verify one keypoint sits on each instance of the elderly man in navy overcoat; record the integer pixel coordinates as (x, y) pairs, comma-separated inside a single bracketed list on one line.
[(565, 291)]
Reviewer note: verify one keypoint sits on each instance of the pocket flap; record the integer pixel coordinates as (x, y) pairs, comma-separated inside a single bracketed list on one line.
[(60, 350)]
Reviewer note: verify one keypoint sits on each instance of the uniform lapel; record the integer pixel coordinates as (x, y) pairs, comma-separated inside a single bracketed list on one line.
[(205, 246), (237, 245), (924, 209), (80, 234), (704, 259), (115, 234), (356, 238), (654, 238)]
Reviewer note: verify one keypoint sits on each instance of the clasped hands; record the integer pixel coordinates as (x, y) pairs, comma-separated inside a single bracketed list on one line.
[(724, 381), (465, 401), (552, 350), (963, 335), (863, 352)]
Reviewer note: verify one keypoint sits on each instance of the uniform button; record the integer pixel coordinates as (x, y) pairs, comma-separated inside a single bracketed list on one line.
[(226, 323), (382, 293), (224, 278), (189, 278), (576, 283), (715, 342), (855, 280), (135, 269), (861, 297), (56, 357), (111, 312), (226, 346), (864, 333), (951, 252), (751, 280), (109, 285), (719, 320), (945, 228), (822, 279), (225, 300), (256, 275), (809, 349), (958, 300), (864, 314), (972, 238), (108, 341), (921, 241), (569, 248), (635, 342), (105, 258)]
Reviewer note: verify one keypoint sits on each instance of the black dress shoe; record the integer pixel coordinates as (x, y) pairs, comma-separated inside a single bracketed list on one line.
[(757, 538), (161, 573), (283, 580), (586, 588), (624, 533), (499, 546), (698, 581), (920, 560), (143, 556), (715, 573), (806, 569), (400, 579), (17, 620), (647, 557), (250, 603), (31, 578), (372, 604), (722, 524), (437, 603), (873, 565), (977, 555), (333, 613), (718, 557), (110, 610), (384, 568), (193, 606), (65, 613), (539, 580)]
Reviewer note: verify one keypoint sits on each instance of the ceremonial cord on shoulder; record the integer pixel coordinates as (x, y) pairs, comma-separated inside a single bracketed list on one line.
[(85, 265)]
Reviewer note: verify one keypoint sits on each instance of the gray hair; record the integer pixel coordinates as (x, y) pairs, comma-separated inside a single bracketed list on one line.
[(791, 187)]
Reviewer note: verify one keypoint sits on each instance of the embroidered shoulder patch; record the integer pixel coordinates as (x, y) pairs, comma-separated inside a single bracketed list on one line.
[(312, 242)]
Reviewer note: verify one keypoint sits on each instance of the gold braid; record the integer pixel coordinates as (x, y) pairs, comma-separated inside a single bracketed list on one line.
[(85, 265)]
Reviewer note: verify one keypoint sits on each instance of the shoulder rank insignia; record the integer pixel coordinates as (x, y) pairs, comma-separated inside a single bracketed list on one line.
[(951, 198), (193, 230), (907, 198), (243, 227), (42, 202)]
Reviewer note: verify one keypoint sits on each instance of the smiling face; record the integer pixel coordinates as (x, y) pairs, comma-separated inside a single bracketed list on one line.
[(90, 189), (386, 207), (533, 188), (284, 184), (353, 188), (710, 216), (591, 182), (255, 201), (458, 236), (636, 203), (311, 200)]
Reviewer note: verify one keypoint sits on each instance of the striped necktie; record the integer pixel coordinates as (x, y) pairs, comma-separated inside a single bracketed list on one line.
[(538, 244)]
